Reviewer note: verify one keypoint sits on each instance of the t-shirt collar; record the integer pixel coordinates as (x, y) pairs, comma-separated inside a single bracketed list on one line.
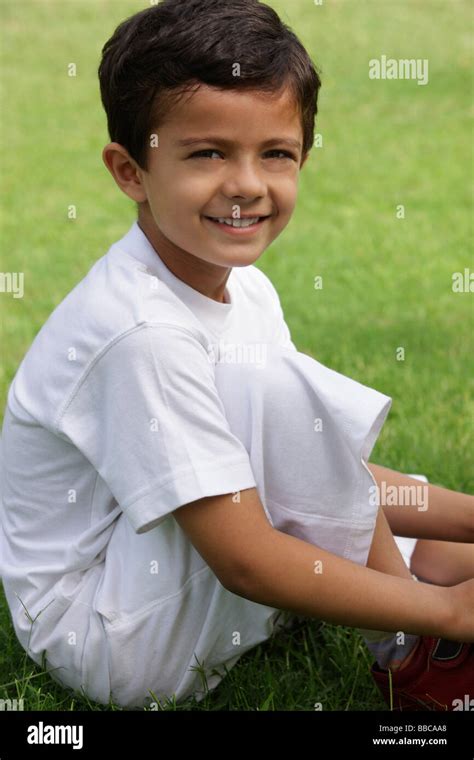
[(212, 313)]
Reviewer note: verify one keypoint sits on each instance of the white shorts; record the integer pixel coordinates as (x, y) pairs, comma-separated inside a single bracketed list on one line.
[(309, 432)]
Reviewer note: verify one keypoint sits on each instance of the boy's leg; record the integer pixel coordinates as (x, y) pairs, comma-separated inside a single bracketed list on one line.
[(384, 554), (390, 650), (444, 563)]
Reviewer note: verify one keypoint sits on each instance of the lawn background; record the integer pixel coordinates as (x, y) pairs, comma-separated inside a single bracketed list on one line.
[(387, 282)]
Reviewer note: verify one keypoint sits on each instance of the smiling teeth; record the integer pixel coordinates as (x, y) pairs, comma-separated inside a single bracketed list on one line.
[(237, 222)]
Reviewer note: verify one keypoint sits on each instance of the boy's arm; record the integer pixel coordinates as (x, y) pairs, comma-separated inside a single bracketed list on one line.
[(443, 515), (258, 562)]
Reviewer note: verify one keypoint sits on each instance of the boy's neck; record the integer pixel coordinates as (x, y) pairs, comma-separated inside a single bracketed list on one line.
[(208, 279)]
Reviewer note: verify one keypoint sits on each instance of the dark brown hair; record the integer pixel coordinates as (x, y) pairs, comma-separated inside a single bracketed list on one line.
[(167, 49)]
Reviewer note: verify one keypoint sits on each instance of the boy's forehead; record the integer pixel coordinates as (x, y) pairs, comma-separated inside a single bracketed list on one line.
[(211, 109)]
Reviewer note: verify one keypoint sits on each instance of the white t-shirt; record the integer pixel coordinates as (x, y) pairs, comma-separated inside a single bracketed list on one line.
[(114, 408)]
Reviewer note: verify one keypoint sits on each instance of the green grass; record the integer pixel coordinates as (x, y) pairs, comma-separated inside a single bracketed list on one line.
[(387, 282)]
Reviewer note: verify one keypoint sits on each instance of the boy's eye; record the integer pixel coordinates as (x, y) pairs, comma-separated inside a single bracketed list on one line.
[(280, 154), (201, 153), (283, 153)]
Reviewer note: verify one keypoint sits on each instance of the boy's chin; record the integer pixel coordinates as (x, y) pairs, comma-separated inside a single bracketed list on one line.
[(238, 258)]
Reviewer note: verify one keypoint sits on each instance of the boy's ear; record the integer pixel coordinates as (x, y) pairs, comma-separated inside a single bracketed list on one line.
[(125, 171)]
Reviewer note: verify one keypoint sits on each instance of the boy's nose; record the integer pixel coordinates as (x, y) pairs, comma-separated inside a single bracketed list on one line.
[(244, 180)]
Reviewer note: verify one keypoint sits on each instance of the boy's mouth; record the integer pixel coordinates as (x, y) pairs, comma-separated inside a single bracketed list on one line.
[(239, 226)]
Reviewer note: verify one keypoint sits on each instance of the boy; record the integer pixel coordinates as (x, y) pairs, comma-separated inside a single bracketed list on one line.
[(148, 523)]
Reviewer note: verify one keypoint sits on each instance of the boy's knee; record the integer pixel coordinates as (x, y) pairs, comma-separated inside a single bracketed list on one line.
[(429, 568)]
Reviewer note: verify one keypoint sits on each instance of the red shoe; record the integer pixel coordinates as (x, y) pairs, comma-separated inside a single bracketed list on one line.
[(439, 677)]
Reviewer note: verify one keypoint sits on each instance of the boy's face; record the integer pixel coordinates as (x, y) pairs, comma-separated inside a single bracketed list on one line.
[(245, 162)]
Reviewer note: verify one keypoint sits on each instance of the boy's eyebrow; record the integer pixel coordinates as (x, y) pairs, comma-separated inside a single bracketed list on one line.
[(215, 139)]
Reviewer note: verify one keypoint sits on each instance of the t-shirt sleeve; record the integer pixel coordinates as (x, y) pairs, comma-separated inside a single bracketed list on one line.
[(281, 334), (149, 419)]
